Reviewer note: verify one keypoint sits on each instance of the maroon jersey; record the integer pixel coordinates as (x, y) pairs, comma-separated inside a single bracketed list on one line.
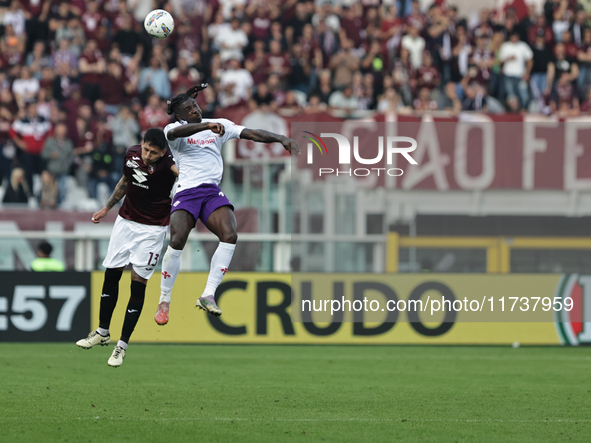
[(147, 200)]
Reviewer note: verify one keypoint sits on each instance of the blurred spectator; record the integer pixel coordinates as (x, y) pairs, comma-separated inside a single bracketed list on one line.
[(74, 33), (517, 59), (424, 102), (91, 65), (58, 152), (28, 132), (127, 40), (239, 77), (255, 63), (343, 99), (15, 17), (564, 97), (324, 89), (156, 78), (390, 101), (231, 41), (43, 262), (262, 99), (106, 167), (18, 191), (561, 63), (65, 55), (126, 131), (38, 59), (584, 62), (183, 77), (115, 87), (276, 61), (542, 57), (315, 106), (12, 47), (579, 25), (299, 68), (343, 64), (415, 45), (7, 149), (475, 98), (92, 19), (48, 197), (154, 114), (25, 88)]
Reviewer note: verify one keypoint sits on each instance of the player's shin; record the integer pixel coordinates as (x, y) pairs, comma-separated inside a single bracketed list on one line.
[(171, 265), (220, 262), (132, 314), (109, 299)]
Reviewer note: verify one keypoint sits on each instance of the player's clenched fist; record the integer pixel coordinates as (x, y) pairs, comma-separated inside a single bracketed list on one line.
[(217, 128), (96, 217)]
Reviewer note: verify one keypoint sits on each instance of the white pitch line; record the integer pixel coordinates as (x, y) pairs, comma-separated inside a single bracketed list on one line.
[(319, 420)]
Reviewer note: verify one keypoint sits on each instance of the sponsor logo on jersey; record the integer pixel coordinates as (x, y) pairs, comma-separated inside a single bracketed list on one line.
[(194, 141), (176, 203), (574, 326), (132, 164), (140, 176)]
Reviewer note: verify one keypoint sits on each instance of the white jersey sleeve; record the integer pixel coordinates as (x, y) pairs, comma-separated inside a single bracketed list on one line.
[(232, 129), (172, 143)]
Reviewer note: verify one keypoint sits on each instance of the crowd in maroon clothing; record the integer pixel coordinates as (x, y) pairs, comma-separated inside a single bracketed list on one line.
[(91, 65)]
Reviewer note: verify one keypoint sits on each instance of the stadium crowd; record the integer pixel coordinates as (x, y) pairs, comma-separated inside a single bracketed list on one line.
[(81, 80)]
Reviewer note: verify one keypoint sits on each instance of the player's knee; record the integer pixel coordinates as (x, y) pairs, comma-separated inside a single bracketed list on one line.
[(177, 243), (229, 237)]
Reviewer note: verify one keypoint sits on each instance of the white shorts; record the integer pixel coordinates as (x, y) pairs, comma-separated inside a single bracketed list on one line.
[(135, 243)]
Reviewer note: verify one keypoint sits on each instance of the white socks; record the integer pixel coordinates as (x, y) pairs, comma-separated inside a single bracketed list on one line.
[(219, 266), (171, 264), (122, 344), (102, 331)]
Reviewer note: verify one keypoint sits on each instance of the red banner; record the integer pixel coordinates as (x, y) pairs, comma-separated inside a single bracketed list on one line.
[(474, 152)]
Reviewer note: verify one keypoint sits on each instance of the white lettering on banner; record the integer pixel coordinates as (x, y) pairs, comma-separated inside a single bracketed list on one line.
[(427, 144), (531, 146), (572, 151), (485, 179)]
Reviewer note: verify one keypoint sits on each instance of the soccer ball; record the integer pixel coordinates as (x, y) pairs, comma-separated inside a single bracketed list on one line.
[(159, 23)]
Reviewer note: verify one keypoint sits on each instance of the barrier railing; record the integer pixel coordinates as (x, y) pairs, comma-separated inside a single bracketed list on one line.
[(498, 249)]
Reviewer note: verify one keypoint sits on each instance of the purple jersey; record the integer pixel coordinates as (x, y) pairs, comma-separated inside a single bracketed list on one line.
[(147, 200)]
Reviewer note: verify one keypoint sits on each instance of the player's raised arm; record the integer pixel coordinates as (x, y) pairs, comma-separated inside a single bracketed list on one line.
[(193, 128), (185, 108), (117, 195), (260, 135)]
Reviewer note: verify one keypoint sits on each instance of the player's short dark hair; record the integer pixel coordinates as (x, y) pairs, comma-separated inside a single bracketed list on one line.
[(155, 137), (174, 102)]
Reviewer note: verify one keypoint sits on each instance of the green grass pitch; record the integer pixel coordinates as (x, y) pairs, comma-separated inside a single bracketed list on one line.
[(199, 393)]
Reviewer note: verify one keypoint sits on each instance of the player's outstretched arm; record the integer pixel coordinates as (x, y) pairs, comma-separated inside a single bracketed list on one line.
[(260, 135), (192, 128), (117, 195)]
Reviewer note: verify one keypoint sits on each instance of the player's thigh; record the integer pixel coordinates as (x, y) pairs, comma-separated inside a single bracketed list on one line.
[(222, 222), (120, 244), (181, 224), (148, 248)]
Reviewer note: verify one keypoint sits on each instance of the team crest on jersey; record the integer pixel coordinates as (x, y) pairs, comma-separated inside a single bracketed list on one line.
[(151, 169), (132, 164)]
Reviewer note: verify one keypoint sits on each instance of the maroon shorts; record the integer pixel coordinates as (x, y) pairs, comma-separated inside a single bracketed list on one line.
[(200, 201)]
